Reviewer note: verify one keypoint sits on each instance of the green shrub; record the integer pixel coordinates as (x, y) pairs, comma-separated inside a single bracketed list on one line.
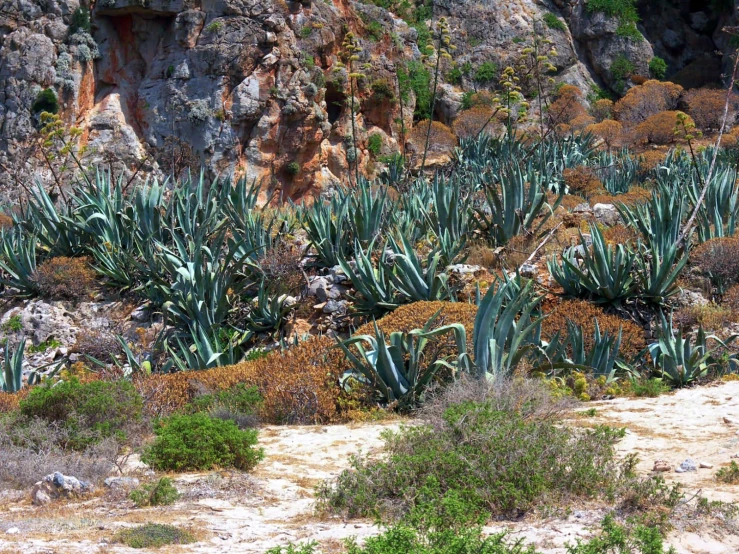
[(382, 90), (554, 22), (416, 78), (616, 538), (214, 26), (650, 388), (374, 144), (46, 101), (198, 441), (153, 535), (161, 493), (486, 72), (477, 462), (621, 69), (375, 30), (454, 75), (13, 325), (107, 408), (292, 169), (80, 20), (306, 31), (728, 475), (239, 404), (657, 68)]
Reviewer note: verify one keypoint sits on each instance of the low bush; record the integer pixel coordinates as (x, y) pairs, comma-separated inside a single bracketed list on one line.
[(46, 101), (659, 128), (297, 385), (729, 474), (657, 68), (374, 144), (239, 404), (442, 138), (198, 441), (479, 459), (583, 314), (706, 107), (582, 180), (650, 388), (608, 130), (161, 493), (32, 448), (718, 259), (469, 123), (153, 535), (88, 411), (63, 277), (646, 100)]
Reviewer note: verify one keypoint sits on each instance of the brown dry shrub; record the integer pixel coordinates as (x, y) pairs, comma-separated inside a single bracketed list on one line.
[(6, 222), (441, 140), (651, 159), (569, 201), (638, 79), (299, 385), (63, 277), (482, 254), (659, 128), (712, 317), (414, 316), (608, 130), (636, 195), (470, 122), (282, 269), (706, 107), (730, 139), (567, 107), (582, 180), (620, 234), (584, 313), (10, 401), (581, 122), (481, 98), (730, 299), (98, 344), (644, 101), (719, 260), (602, 109)]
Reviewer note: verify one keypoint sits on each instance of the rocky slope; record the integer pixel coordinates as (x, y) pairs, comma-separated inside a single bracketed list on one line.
[(253, 87)]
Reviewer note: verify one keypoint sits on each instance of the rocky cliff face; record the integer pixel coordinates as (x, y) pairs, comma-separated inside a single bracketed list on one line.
[(253, 86)]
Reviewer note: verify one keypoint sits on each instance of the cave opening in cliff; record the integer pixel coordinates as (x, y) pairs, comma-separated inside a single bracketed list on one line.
[(335, 102)]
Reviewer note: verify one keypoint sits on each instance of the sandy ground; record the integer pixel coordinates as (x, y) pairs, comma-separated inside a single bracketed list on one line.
[(232, 512)]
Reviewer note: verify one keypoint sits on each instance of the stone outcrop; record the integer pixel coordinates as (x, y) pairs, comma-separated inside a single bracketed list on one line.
[(253, 87)]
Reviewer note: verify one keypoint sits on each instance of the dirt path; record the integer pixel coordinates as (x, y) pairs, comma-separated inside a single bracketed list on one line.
[(231, 512)]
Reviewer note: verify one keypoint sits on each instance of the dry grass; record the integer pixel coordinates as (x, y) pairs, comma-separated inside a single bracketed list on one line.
[(63, 277)]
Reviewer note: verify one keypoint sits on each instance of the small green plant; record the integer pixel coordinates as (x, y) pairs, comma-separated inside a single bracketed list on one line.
[(375, 30), (633, 538), (591, 412), (728, 475), (198, 441), (374, 144), (80, 20), (161, 493), (153, 535), (624, 10), (13, 325), (454, 75), (650, 388), (621, 69), (46, 101), (486, 72), (382, 90), (657, 68), (170, 71), (239, 404), (306, 31), (214, 26), (554, 22), (48, 344), (309, 61), (292, 169)]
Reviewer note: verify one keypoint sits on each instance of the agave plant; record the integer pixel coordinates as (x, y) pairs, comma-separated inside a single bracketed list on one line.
[(374, 284), (18, 260), (601, 358), (326, 226), (205, 349), (399, 370), (368, 211), (680, 359), (506, 329), (413, 281), (11, 379), (606, 272), (54, 226), (267, 312), (450, 219)]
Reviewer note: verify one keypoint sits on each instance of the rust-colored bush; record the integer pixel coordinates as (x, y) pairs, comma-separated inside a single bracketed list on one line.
[(63, 277), (470, 122), (706, 107), (583, 181), (620, 234), (718, 259), (299, 385), (442, 138), (636, 195), (608, 130), (659, 128), (644, 101), (10, 401), (567, 107), (602, 109), (711, 317), (651, 159), (731, 300), (584, 313), (6, 222)]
